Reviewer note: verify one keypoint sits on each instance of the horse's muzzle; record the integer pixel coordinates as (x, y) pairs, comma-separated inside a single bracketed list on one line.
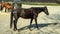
[(48, 14)]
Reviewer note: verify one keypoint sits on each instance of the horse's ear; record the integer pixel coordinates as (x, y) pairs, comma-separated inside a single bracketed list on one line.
[(45, 6)]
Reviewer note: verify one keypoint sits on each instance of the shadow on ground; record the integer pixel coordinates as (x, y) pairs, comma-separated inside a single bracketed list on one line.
[(34, 26)]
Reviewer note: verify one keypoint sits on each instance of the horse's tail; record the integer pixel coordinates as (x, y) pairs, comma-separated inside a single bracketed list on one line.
[(11, 19)]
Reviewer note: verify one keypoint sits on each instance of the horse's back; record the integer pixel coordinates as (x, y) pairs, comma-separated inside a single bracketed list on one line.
[(24, 13), (38, 8)]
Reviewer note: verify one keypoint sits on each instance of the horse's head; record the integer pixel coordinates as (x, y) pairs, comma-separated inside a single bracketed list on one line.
[(40, 9), (46, 10)]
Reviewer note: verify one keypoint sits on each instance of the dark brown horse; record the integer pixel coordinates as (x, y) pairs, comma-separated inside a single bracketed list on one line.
[(31, 13)]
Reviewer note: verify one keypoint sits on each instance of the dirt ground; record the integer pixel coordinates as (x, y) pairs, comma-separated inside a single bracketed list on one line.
[(47, 24)]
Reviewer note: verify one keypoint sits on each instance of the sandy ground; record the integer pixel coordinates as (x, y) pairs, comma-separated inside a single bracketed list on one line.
[(47, 24)]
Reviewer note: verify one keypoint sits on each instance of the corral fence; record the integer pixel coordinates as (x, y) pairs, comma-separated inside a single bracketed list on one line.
[(43, 1)]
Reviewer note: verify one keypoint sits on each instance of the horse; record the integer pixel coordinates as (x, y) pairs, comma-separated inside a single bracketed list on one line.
[(9, 7), (31, 13), (6, 5), (1, 8)]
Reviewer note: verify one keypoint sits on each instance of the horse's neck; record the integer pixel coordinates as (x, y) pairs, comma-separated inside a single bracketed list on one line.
[(17, 7), (39, 11)]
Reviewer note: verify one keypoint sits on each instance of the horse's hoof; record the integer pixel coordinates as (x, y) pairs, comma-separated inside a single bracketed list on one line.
[(14, 29), (18, 30), (30, 29), (37, 28)]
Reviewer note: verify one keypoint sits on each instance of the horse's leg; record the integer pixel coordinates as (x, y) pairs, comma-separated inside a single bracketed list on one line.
[(36, 23), (30, 22), (1, 8), (15, 22), (35, 17), (15, 27), (5, 9), (11, 19)]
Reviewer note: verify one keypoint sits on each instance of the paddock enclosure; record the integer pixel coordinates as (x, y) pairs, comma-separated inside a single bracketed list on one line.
[(47, 24)]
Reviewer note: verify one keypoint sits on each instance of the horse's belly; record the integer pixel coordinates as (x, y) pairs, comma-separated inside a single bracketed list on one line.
[(27, 16)]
